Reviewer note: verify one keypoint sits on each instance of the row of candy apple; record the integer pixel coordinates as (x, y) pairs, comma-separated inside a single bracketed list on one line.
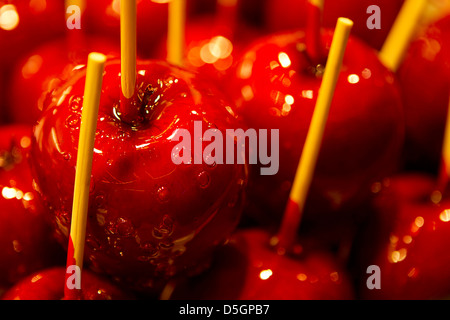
[(276, 68)]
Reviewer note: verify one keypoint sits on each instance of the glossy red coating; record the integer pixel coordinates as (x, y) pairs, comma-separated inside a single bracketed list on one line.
[(275, 87), (102, 18), (412, 251), (148, 219)]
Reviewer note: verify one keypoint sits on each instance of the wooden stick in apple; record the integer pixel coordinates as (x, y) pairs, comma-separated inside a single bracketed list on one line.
[(91, 101), (401, 34), (129, 111), (176, 32), (305, 171), (73, 16), (314, 46)]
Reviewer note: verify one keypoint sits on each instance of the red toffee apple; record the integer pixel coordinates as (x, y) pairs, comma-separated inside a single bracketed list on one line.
[(45, 68), (425, 81), (291, 14), (23, 26), (148, 219), (25, 242), (103, 19), (276, 86), (248, 268), (49, 285), (412, 253)]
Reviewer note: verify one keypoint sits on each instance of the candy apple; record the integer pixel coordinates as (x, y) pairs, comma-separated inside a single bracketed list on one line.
[(45, 68), (275, 86), (25, 242), (249, 268), (148, 218), (425, 81), (48, 284), (411, 249), (291, 14), (103, 19)]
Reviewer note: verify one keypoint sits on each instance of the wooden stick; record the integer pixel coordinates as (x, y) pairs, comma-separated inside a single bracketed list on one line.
[(91, 101), (402, 32), (129, 110), (305, 171), (128, 14), (176, 32)]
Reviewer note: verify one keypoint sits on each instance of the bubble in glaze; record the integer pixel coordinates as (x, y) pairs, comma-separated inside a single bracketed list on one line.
[(163, 194), (167, 225), (101, 202), (73, 121), (164, 229), (67, 156), (204, 179), (143, 207), (124, 227), (74, 103)]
